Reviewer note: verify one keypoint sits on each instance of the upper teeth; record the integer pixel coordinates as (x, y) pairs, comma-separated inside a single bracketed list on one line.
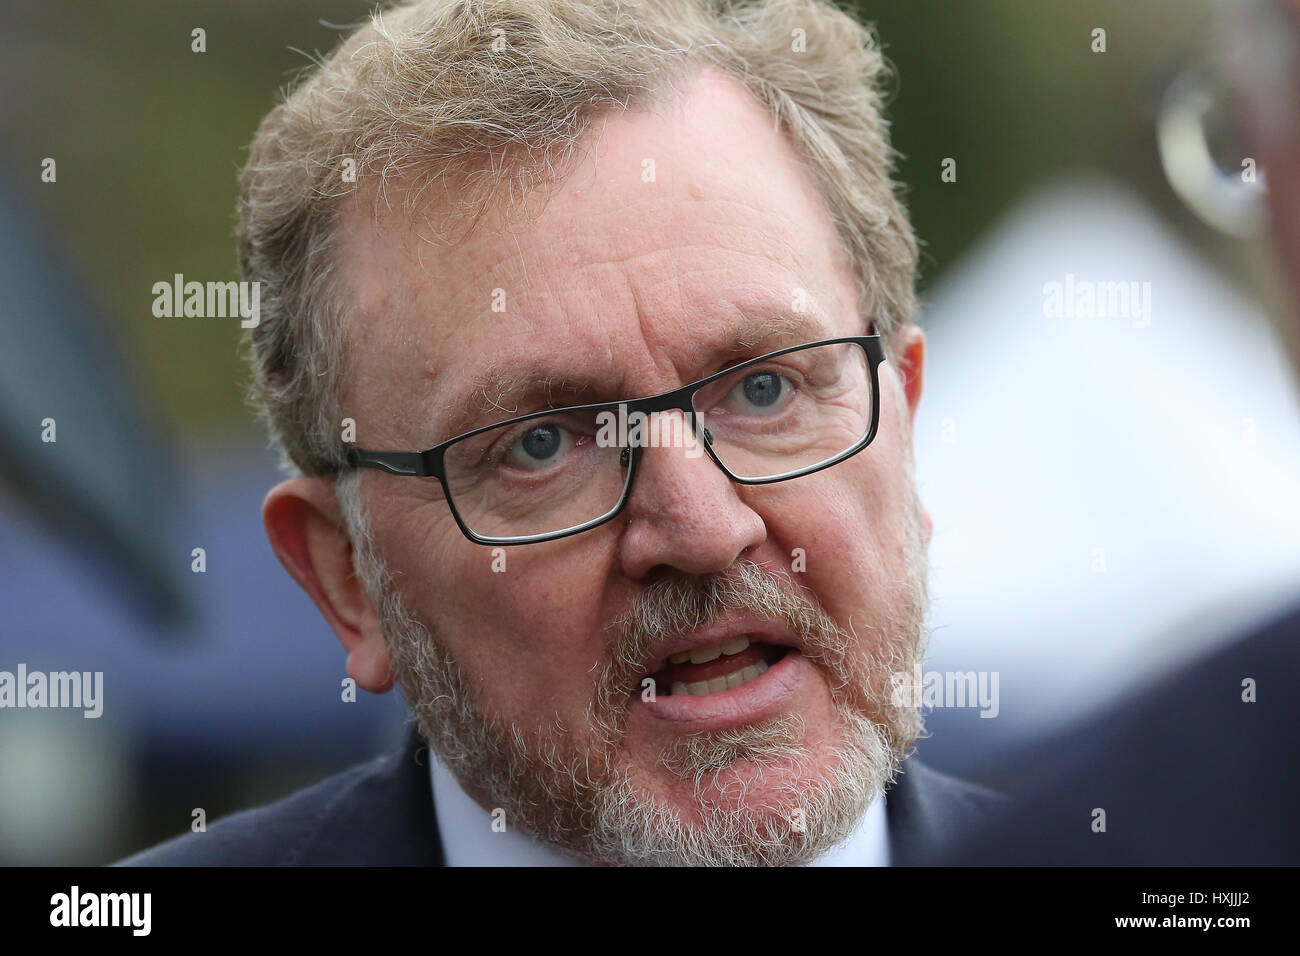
[(702, 655)]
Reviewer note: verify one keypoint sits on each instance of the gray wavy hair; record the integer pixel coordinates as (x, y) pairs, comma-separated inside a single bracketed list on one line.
[(496, 93)]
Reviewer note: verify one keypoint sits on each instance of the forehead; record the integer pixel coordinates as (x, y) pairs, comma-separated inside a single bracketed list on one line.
[(685, 232)]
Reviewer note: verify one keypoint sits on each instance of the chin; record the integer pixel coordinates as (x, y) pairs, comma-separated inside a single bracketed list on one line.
[(709, 780)]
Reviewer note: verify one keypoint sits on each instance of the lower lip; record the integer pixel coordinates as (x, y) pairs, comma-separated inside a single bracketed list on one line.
[(767, 695)]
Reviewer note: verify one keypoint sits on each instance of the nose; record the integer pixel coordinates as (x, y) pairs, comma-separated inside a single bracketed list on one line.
[(685, 513)]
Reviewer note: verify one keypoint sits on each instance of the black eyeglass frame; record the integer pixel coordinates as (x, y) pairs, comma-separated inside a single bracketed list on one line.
[(431, 462)]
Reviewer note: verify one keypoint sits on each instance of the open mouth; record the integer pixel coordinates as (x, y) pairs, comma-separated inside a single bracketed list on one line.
[(717, 668)]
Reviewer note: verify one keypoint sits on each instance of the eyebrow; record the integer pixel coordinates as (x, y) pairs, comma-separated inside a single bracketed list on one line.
[(505, 390)]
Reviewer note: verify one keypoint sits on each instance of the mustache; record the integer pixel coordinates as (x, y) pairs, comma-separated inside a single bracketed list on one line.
[(684, 602)]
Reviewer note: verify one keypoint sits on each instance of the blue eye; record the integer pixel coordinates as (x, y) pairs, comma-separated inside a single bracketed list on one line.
[(762, 389), (539, 446), (760, 393)]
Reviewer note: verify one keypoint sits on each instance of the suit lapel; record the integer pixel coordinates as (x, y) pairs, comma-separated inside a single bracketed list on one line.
[(385, 818), (926, 807)]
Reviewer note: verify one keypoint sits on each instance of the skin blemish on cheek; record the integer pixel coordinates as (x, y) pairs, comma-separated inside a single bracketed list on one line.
[(695, 191)]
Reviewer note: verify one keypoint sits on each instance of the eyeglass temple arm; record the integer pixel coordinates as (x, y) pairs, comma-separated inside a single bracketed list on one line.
[(393, 462)]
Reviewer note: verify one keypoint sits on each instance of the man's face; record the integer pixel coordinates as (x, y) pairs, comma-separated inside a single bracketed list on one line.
[(664, 257)]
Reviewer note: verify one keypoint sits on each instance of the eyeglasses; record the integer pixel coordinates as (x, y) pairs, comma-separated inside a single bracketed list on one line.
[(563, 471)]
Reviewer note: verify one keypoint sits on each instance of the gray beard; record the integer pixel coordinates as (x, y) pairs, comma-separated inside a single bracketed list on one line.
[(582, 799)]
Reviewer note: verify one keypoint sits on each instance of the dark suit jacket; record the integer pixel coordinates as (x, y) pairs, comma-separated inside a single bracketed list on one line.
[(381, 814)]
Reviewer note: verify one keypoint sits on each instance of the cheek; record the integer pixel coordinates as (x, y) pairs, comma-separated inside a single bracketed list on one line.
[(850, 522), (519, 621)]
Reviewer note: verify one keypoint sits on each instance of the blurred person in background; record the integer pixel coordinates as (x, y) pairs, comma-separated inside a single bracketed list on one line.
[(1201, 767)]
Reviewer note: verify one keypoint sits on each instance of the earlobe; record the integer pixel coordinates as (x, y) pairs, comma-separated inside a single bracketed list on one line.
[(307, 533)]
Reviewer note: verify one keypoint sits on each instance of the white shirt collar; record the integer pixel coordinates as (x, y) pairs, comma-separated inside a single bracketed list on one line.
[(468, 838)]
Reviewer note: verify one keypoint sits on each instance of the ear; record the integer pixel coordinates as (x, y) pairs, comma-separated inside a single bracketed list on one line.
[(910, 361), (307, 533)]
